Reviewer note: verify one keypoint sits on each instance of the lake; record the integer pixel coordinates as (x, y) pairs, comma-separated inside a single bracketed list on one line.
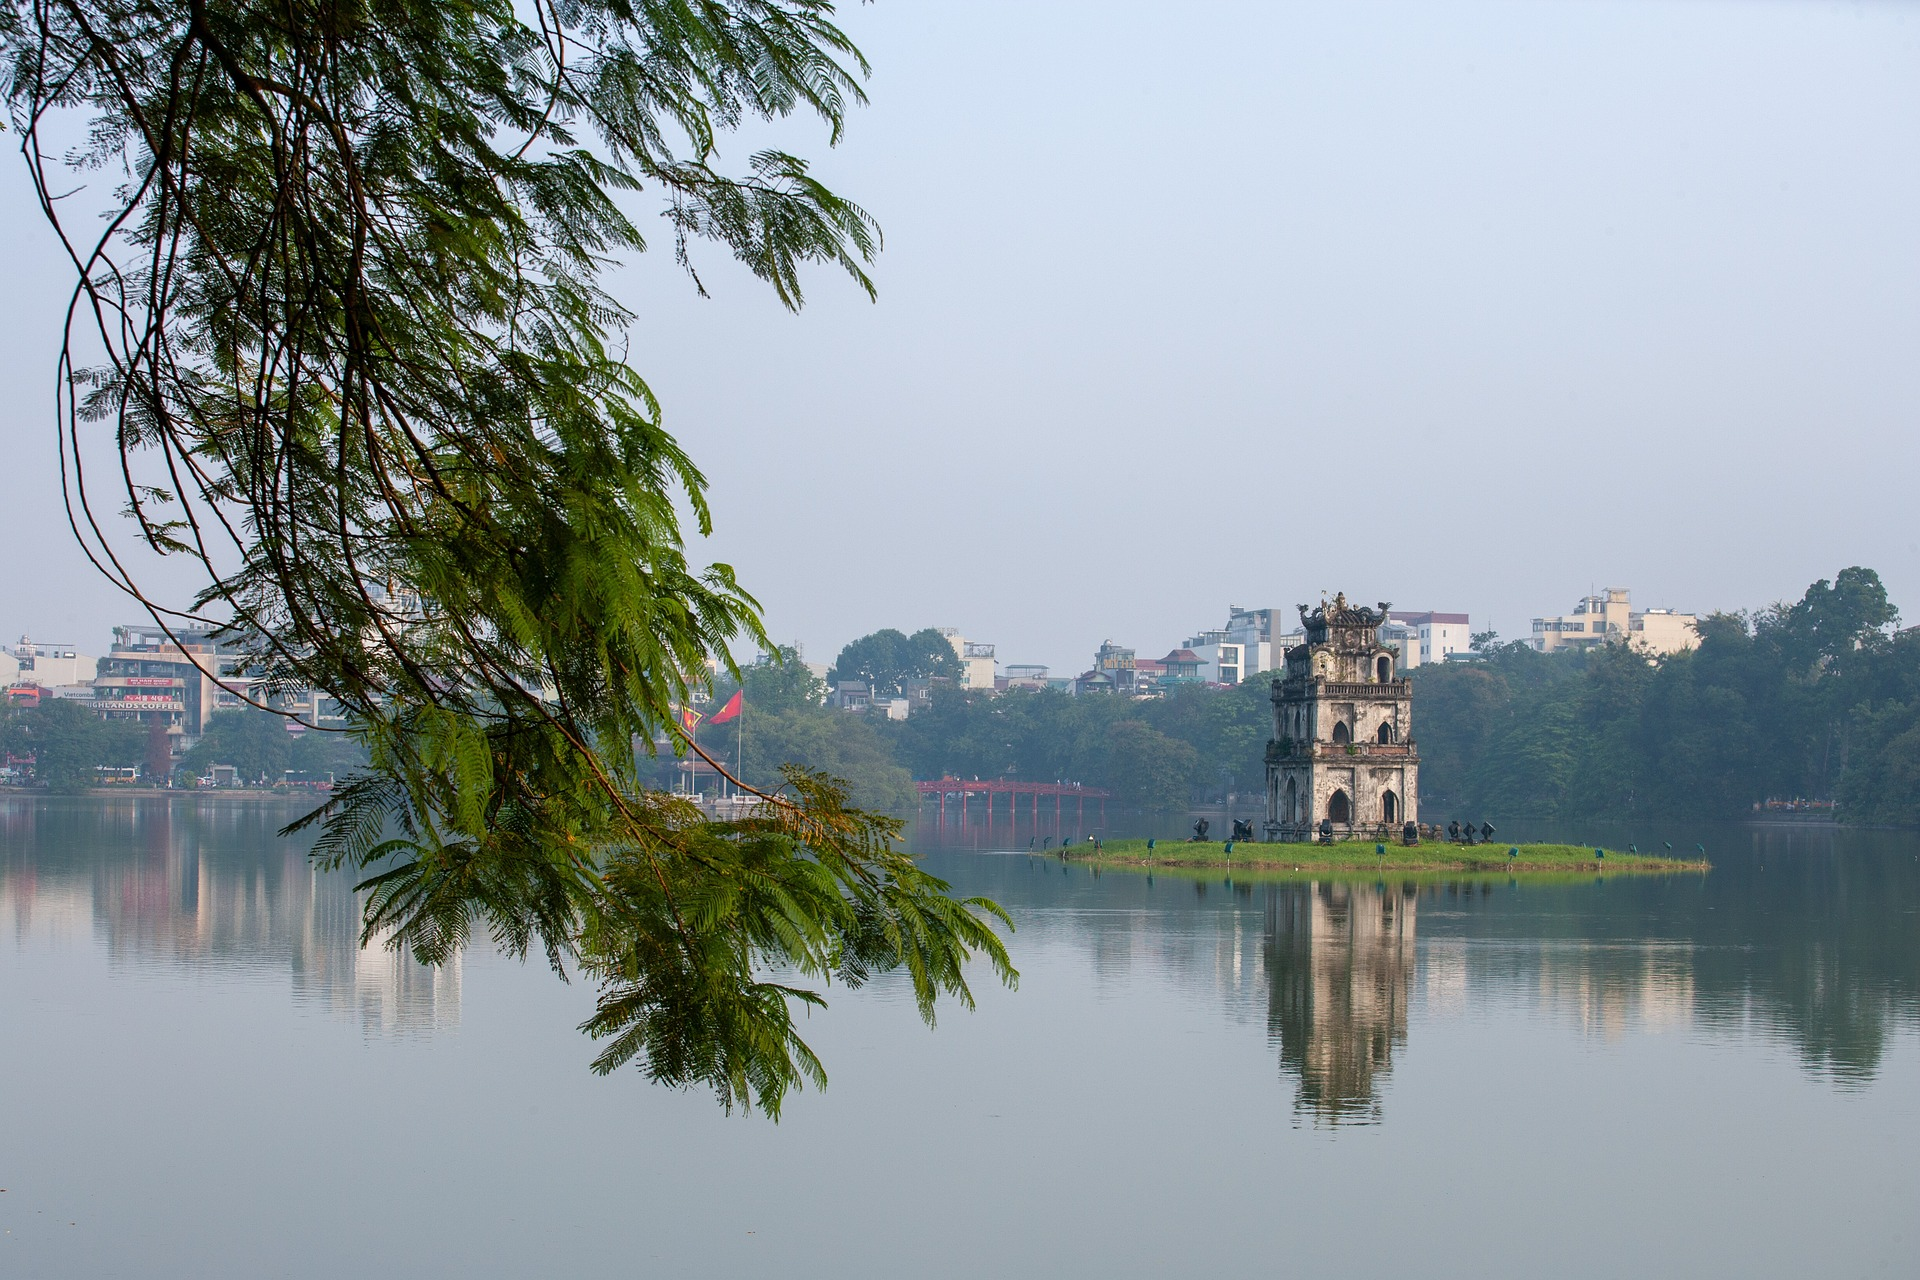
[(1693, 1075)]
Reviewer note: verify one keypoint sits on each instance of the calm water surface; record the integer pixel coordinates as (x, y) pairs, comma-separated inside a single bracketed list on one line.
[(201, 1074)]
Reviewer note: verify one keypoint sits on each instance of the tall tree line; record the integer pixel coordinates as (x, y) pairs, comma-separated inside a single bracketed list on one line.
[(1817, 699)]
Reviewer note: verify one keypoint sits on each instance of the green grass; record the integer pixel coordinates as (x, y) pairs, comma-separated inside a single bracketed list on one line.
[(1361, 855)]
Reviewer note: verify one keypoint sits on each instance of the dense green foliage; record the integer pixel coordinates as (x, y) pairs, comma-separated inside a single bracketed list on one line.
[(1819, 699), (1194, 743), (787, 721), (339, 344), (887, 659), (258, 745), (68, 742)]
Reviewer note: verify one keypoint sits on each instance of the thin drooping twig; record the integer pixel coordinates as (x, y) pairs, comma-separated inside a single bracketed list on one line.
[(348, 293)]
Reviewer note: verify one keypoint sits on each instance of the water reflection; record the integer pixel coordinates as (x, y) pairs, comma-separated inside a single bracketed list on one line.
[(196, 887), (1805, 940), (1340, 962), (1800, 939)]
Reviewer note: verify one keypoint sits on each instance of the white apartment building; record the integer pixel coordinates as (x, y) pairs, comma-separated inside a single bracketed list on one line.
[(1228, 657), (1609, 618), (1246, 646), (1256, 640), (1663, 631), (52, 665), (1427, 637), (977, 664)]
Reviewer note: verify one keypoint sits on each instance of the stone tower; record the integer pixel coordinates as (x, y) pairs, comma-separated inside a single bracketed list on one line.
[(1342, 749)]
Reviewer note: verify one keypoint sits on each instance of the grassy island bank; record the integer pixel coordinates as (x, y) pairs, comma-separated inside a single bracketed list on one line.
[(1360, 855)]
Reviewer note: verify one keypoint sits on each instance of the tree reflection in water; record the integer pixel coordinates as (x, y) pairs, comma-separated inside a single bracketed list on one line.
[(1805, 939), (1801, 938)]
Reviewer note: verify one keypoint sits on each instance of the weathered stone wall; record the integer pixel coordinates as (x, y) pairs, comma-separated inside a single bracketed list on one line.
[(1334, 682)]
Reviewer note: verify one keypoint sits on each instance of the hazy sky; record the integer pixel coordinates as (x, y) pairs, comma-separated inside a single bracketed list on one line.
[(1463, 306)]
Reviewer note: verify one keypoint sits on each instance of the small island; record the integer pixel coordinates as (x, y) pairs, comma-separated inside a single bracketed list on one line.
[(1367, 855)]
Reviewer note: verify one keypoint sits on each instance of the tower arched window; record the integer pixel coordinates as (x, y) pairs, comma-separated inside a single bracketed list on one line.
[(1342, 734), (1386, 732), (1384, 667)]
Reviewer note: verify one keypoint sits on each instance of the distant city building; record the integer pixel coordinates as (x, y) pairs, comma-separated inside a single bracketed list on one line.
[(1094, 681), (1609, 618), (1025, 675), (181, 680), (1117, 664), (977, 666), (1262, 624), (152, 677), (1227, 657), (1662, 631), (919, 693), (1180, 666), (25, 693), (851, 695), (1427, 637), (1342, 751), (857, 695), (1244, 647), (51, 664)]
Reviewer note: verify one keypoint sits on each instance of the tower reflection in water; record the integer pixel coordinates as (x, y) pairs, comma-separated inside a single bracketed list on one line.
[(209, 889), (1339, 960)]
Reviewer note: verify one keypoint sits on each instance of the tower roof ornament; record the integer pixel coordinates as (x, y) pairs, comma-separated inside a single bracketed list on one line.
[(1338, 613)]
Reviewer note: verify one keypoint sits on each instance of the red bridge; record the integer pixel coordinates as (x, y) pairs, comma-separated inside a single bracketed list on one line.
[(963, 790)]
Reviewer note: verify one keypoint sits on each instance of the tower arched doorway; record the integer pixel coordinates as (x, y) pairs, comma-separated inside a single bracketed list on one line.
[(1290, 812), (1339, 809), (1389, 807), (1342, 734), (1384, 667)]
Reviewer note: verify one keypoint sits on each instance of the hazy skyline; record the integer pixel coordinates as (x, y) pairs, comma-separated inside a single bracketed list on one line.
[(1467, 307)]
